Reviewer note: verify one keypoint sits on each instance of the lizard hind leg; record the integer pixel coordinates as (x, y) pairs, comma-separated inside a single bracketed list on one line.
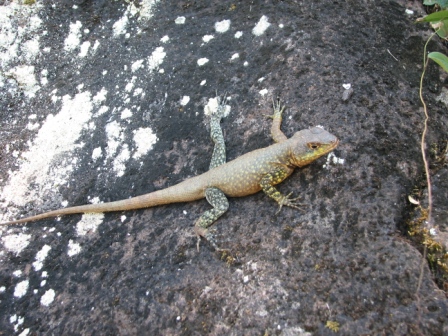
[(220, 204), (219, 151)]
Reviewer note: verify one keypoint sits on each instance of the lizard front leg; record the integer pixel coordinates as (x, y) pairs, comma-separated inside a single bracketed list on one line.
[(276, 133), (276, 176), (220, 204)]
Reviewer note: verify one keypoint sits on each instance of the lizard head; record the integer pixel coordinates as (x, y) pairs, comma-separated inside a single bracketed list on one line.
[(310, 144)]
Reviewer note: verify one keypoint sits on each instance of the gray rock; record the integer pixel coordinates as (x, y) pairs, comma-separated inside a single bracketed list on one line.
[(94, 107)]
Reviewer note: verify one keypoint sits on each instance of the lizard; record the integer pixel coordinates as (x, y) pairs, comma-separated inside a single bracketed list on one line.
[(257, 170)]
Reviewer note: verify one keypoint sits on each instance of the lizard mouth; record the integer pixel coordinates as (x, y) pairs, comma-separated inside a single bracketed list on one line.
[(334, 144)]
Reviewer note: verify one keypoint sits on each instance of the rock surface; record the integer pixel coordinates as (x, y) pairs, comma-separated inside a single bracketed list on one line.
[(103, 100)]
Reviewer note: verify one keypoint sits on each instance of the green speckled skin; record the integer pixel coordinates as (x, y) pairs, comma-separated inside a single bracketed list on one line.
[(246, 175)]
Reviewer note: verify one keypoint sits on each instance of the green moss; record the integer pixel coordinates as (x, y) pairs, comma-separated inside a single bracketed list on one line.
[(436, 254), (333, 326)]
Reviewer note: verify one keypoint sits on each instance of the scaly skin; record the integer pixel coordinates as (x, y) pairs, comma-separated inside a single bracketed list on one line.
[(258, 170)]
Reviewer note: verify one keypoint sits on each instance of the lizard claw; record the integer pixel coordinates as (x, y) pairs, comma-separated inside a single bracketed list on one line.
[(278, 109), (291, 202), (221, 106)]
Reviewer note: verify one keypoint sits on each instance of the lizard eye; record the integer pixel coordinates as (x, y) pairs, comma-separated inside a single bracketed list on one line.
[(313, 145)]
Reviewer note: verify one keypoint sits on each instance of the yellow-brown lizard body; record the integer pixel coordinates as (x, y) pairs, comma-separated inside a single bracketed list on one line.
[(260, 169)]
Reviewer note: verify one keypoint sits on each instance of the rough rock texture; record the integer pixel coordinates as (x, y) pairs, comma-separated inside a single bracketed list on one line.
[(108, 117)]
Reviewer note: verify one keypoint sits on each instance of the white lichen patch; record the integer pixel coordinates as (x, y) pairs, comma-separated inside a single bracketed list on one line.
[(103, 109), (238, 34), (16, 243), (126, 113), (21, 288), (48, 297), (207, 38), (25, 332), (43, 78), (114, 138), (40, 257), (100, 96), (138, 92), (202, 61), (95, 46), (119, 163), (89, 223), (261, 26), (32, 126), (18, 39), (165, 39), (156, 58), (222, 26), (180, 20), (263, 92), (144, 139), (56, 137), (94, 200), (234, 57), (443, 96), (129, 86), (137, 65), (31, 49), (18, 322), (185, 100), (85, 46), (212, 107), (147, 8), (119, 26), (73, 39), (145, 11), (26, 79), (333, 159), (73, 248), (97, 153)]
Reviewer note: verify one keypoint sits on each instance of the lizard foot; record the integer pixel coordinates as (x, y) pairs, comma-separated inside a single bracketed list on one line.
[(208, 235), (229, 258), (220, 111), (291, 202), (278, 109)]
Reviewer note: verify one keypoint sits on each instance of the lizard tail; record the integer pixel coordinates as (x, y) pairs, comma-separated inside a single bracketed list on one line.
[(89, 208), (182, 192)]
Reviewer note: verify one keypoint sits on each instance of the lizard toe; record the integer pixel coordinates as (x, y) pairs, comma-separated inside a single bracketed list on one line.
[(291, 202)]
